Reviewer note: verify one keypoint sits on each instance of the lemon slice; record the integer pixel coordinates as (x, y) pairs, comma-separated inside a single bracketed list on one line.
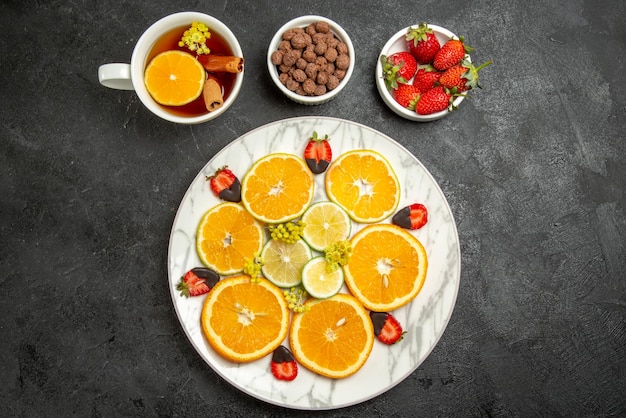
[(283, 262), (318, 281), (325, 223)]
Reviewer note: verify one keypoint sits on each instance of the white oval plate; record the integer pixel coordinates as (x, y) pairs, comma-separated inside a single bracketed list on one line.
[(424, 319)]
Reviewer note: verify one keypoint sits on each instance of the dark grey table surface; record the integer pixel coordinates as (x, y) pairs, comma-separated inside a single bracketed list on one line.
[(533, 167)]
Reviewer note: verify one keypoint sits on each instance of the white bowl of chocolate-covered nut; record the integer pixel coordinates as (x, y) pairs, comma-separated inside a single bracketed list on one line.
[(310, 59)]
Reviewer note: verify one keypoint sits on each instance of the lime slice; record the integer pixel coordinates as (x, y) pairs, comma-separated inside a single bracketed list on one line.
[(283, 262), (325, 223), (318, 281)]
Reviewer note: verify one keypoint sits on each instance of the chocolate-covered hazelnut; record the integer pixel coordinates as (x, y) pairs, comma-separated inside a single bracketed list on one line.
[(322, 27), (310, 29), (320, 89), (290, 58), (309, 86), (342, 48), (321, 48), (331, 41), (322, 77), (321, 63), (301, 63), (332, 83), (331, 54), (277, 57), (284, 46), (309, 55), (342, 62), (298, 41), (318, 37), (291, 84), (311, 70), (289, 33), (299, 75)]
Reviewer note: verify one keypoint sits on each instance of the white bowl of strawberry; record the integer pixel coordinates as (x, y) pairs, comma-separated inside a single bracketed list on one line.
[(425, 71)]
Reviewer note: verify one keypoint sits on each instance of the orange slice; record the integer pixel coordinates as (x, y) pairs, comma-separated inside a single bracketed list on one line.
[(174, 78), (244, 321), (364, 184), (334, 338), (226, 236), (387, 267), (277, 188)]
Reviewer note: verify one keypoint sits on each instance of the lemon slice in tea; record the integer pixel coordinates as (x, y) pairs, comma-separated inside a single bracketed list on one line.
[(174, 78)]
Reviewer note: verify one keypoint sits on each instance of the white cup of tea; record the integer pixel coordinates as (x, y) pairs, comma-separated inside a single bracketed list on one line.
[(161, 35)]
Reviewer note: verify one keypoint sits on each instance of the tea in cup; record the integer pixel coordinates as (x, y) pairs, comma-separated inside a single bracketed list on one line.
[(186, 68)]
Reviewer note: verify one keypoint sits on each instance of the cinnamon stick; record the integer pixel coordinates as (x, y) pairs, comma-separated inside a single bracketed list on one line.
[(221, 63), (212, 93)]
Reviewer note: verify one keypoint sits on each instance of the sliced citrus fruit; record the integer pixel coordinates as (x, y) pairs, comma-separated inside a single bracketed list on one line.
[(319, 280), (324, 223), (334, 337), (227, 235), (364, 184), (277, 188), (283, 261), (387, 267), (244, 321), (174, 78)]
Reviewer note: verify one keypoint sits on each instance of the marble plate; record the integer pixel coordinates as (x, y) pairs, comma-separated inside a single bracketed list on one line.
[(425, 318)]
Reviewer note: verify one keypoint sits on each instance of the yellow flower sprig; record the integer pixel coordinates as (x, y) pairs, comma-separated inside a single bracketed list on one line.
[(289, 232), (295, 297), (195, 38), (338, 254), (252, 267)]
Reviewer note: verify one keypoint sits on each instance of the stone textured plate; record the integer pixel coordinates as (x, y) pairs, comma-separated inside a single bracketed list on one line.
[(424, 319)]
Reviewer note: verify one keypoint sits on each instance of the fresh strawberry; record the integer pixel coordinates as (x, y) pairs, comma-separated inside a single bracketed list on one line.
[(426, 78), (398, 69), (386, 327), (406, 95), (413, 216), (284, 366), (318, 154), (422, 43), (197, 281), (225, 185), (463, 76), (435, 100), (451, 53)]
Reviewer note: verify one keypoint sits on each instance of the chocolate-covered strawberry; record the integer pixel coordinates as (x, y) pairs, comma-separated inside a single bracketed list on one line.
[(413, 216), (197, 281), (387, 328), (284, 366), (225, 185), (318, 154)]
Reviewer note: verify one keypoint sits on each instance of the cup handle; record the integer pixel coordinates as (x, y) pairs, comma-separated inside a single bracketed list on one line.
[(115, 76)]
